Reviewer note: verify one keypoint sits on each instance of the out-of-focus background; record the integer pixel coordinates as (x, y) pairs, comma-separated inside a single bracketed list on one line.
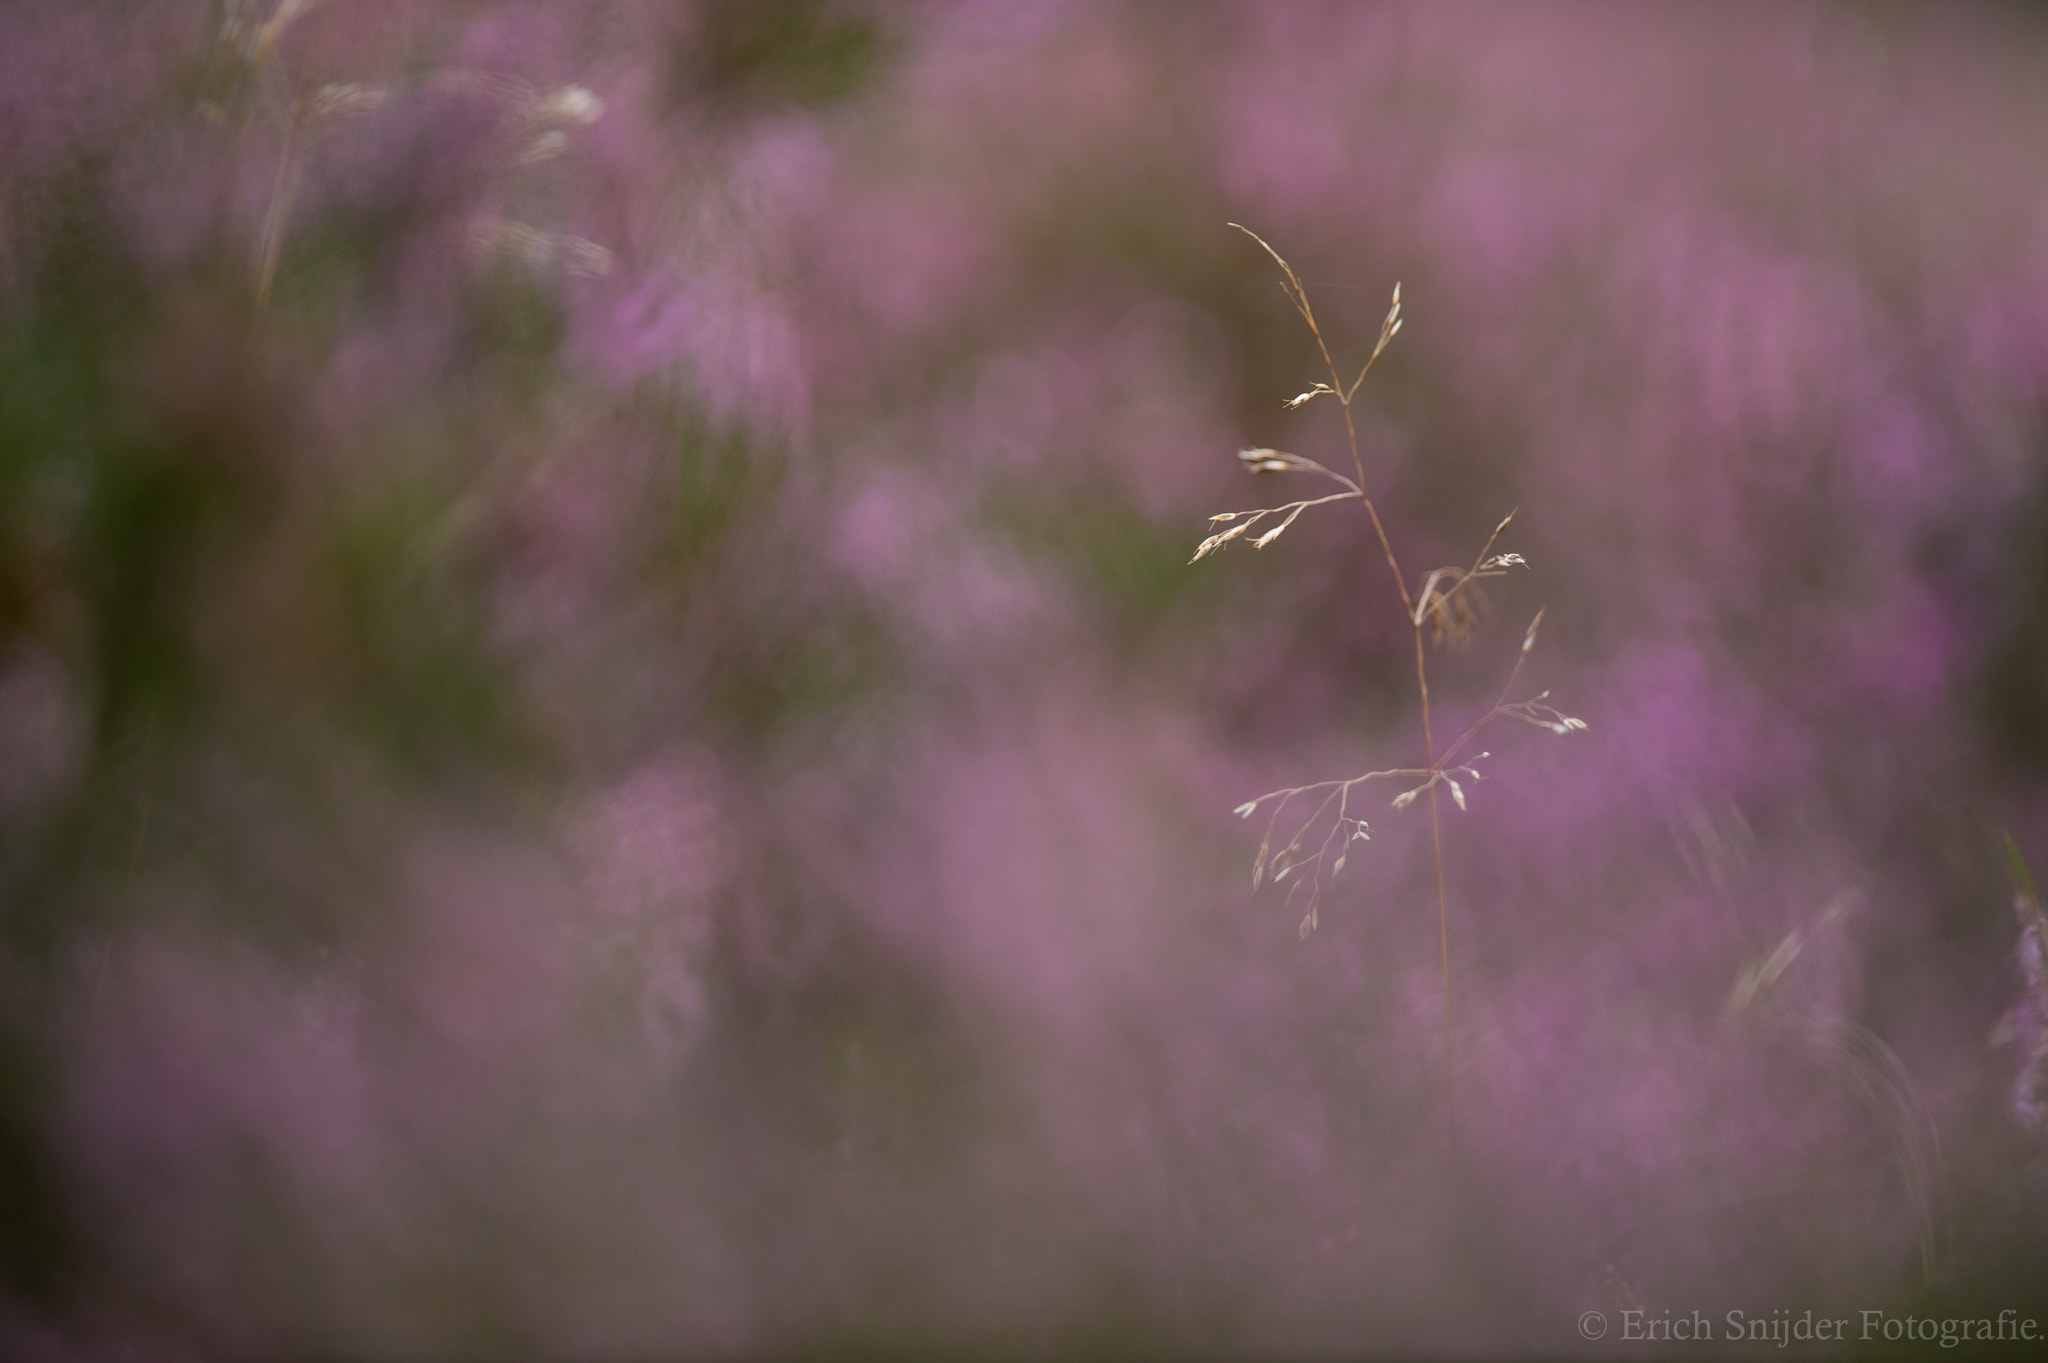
[(608, 746)]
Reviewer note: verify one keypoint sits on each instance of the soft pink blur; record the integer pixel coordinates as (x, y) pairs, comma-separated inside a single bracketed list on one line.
[(855, 948)]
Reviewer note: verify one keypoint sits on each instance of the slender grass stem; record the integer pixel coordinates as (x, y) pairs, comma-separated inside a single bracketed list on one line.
[(1343, 393), (1431, 603), (282, 188)]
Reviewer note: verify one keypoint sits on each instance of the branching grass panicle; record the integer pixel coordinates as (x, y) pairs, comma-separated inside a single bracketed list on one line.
[(1445, 603)]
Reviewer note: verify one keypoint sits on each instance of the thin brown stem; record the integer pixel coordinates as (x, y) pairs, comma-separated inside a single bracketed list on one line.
[(1491, 714), (1443, 937), (281, 191), (1338, 389), (1425, 606), (1400, 583), (1436, 837)]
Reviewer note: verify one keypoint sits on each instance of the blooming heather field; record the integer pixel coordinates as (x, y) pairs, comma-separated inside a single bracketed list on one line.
[(609, 747)]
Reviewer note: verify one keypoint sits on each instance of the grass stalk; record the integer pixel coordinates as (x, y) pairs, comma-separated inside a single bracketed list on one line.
[(1445, 601)]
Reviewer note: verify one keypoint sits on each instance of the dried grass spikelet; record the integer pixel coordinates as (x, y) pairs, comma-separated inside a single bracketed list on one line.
[(1448, 603), (535, 248), (1452, 622), (1535, 711), (247, 31), (1272, 461), (346, 99), (1278, 461), (1331, 841), (568, 105), (1452, 602), (248, 59), (548, 117)]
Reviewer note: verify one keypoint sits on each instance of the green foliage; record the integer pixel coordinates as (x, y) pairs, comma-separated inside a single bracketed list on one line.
[(1119, 557), (768, 53), (420, 672), (719, 479), (38, 1244), (820, 674), (515, 329), (122, 486)]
